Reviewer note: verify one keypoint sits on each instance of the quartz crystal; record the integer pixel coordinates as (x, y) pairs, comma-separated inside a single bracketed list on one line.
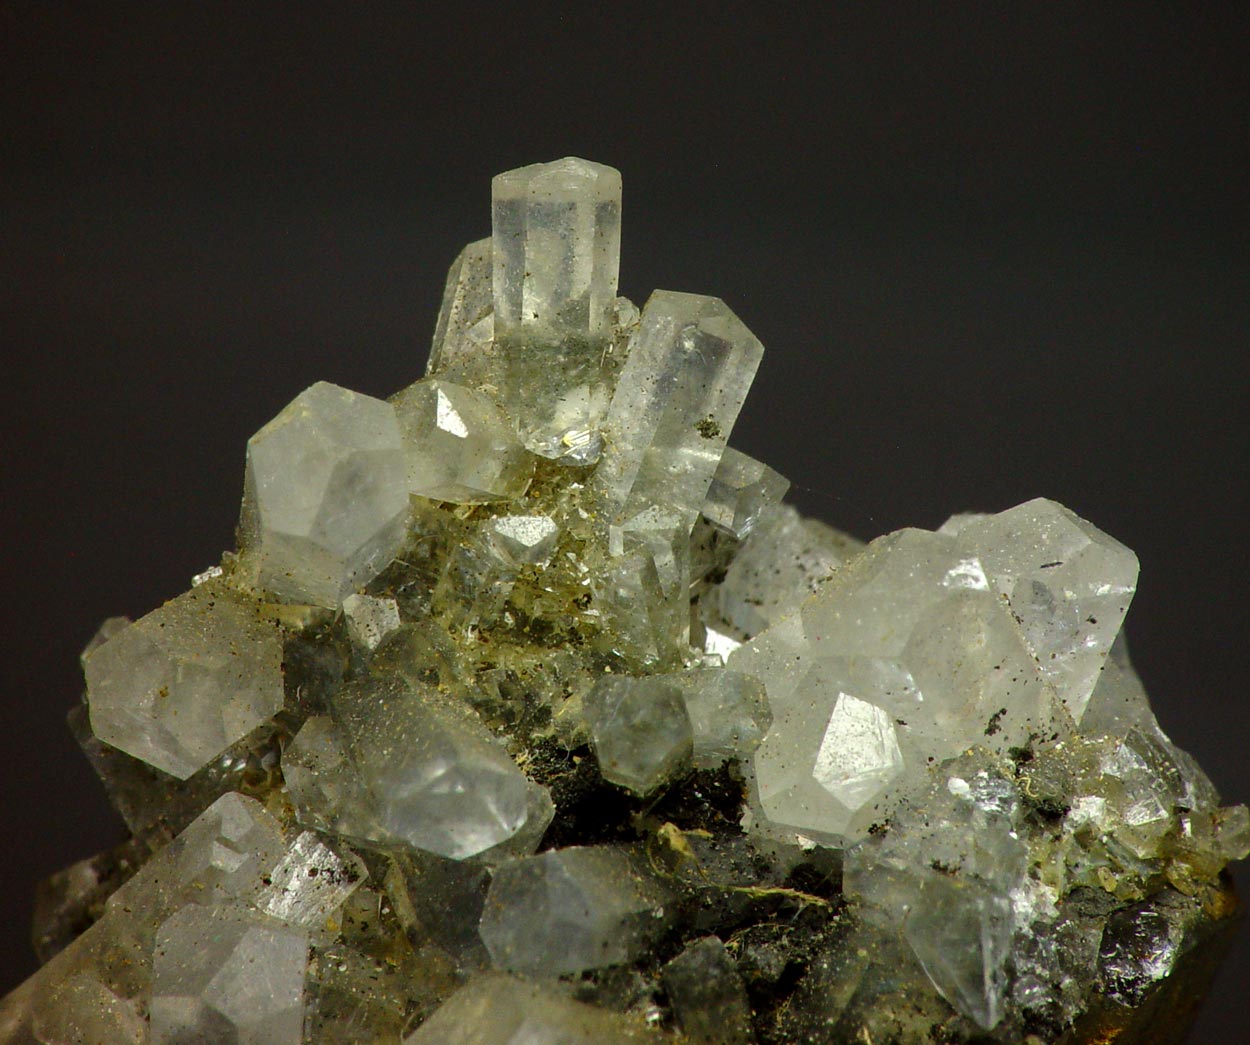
[(527, 712)]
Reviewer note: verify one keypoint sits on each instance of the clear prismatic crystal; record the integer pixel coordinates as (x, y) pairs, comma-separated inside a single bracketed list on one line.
[(526, 711)]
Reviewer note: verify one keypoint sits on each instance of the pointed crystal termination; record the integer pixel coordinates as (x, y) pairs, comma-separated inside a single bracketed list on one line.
[(398, 767), (1067, 583), (326, 496), (681, 388), (556, 241), (556, 255), (182, 684), (460, 447), (466, 327)]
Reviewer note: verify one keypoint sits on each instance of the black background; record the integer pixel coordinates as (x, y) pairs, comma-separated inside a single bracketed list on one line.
[(993, 251)]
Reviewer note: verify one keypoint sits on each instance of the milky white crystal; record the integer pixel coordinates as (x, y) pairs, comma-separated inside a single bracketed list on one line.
[(325, 498)]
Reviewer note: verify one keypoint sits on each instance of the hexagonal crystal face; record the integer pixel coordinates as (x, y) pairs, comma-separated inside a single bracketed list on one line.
[(689, 366), (326, 495), (185, 682), (640, 730)]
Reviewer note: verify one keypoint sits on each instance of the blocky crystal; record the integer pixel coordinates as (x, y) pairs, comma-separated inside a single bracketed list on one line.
[(640, 730), (186, 681), (459, 446), (325, 500), (569, 910), (781, 786)]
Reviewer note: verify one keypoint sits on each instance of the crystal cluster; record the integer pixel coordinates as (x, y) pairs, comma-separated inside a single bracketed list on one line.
[(526, 711)]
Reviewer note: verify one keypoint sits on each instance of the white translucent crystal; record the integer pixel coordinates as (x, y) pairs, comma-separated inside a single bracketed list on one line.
[(962, 936), (465, 327), (459, 446), (370, 619), (911, 629), (782, 562), (569, 910), (689, 366), (398, 766), (640, 730), (186, 681), (525, 540), (310, 883), (951, 871), (220, 974), (221, 857), (728, 714), (742, 488), (500, 1010), (1067, 584), (326, 499), (858, 754), (556, 242)]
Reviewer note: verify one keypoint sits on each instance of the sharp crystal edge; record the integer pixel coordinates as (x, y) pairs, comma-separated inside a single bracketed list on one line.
[(525, 710)]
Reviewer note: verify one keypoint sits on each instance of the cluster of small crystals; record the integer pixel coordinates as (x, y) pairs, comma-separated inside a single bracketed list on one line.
[(526, 711)]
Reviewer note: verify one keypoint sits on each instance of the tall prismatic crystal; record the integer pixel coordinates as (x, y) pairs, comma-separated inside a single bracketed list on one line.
[(556, 254)]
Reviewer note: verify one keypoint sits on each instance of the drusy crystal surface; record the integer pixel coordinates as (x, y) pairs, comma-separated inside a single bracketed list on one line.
[(526, 711)]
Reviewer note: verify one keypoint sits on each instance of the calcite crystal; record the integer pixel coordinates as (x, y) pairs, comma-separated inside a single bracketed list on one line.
[(526, 711)]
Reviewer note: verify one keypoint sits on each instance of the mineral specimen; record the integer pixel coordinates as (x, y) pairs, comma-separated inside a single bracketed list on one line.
[(526, 712)]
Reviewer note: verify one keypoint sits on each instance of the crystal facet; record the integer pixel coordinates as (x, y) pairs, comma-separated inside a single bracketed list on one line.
[(325, 499), (527, 713)]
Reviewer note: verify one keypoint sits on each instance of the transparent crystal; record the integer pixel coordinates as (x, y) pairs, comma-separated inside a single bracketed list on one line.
[(640, 730), (569, 910), (1067, 584), (465, 329), (186, 681), (728, 714), (783, 561), (222, 975), (556, 241), (742, 488), (397, 765), (689, 366), (459, 446), (370, 619)]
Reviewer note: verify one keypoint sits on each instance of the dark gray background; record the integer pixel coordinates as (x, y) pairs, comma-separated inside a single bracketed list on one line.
[(993, 252)]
